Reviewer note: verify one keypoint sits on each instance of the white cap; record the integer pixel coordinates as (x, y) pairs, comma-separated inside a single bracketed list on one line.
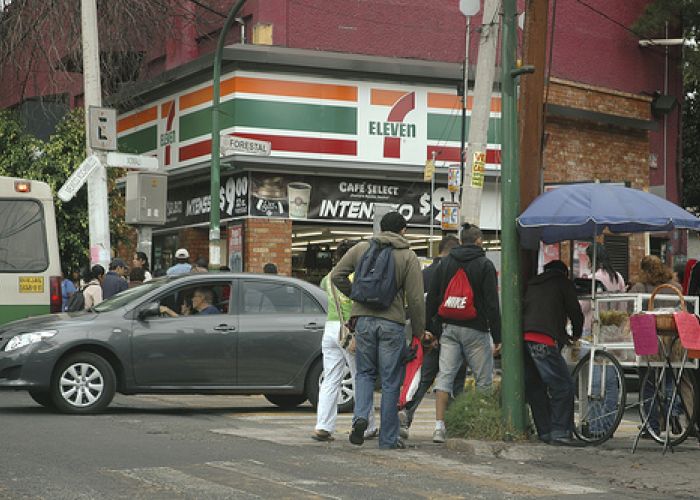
[(182, 253)]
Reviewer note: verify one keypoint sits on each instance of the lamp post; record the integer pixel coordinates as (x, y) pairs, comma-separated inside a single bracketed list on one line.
[(214, 215)]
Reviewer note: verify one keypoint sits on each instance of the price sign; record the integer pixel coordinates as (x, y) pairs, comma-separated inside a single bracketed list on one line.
[(450, 216), (454, 180), (478, 170)]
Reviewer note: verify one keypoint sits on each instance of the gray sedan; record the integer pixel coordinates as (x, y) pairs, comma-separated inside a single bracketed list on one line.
[(209, 333)]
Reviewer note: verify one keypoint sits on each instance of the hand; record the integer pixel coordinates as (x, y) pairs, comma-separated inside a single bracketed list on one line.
[(428, 341), (496, 350)]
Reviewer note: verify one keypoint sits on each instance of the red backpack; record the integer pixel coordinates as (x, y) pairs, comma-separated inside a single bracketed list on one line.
[(458, 301)]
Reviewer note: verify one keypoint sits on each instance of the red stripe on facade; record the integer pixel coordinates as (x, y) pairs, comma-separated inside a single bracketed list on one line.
[(392, 145), (445, 153), (281, 143)]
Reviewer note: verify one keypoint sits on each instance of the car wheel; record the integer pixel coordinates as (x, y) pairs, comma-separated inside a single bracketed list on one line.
[(43, 398), (312, 382), (83, 383), (286, 400), (346, 396)]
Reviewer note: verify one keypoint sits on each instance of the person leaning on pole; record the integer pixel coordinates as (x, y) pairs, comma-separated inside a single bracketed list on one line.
[(380, 338)]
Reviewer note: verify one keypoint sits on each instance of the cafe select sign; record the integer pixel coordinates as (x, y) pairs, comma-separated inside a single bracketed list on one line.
[(300, 197)]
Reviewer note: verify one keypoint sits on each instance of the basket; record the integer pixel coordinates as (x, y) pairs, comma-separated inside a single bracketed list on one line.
[(665, 321)]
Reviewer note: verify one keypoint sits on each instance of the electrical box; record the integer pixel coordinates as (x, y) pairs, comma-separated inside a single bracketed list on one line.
[(146, 198)]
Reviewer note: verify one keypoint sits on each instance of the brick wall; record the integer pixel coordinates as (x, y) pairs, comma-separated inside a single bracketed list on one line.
[(579, 151), (196, 241), (268, 240)]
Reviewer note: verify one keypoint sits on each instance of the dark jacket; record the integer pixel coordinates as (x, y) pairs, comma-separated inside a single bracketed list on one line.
[(112, 284), (549, 300), (429, 271), (482, 277), (408, 277)]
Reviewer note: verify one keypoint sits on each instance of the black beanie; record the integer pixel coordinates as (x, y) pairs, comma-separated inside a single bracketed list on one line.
[(392, 221)]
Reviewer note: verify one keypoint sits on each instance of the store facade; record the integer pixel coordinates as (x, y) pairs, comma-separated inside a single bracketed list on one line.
[(342, 140)]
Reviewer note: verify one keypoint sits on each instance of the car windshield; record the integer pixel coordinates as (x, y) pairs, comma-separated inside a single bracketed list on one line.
[(123, 298)]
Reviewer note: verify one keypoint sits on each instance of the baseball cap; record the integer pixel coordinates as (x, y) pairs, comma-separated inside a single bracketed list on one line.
[(116, 263), (182, 253)]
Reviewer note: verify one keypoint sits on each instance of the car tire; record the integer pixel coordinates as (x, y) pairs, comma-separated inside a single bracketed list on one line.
[(43, 398), (83, 383), (312, 383), (287, 401)]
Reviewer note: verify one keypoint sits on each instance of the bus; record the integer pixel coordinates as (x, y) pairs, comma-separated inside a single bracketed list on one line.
[(30, 269)]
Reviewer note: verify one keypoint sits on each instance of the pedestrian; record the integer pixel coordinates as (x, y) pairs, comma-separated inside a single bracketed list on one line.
[(431, 356), (335, 357), (92, 291), (653, 273), (137, 276), (140, 260), (182, 266), (387, 277), (200, 265), (270, 268), (550, 301), (69, 285), (468, 312), (114, 281), (611, 280)]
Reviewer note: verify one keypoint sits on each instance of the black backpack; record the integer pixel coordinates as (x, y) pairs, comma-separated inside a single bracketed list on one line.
[(374, 284), (77, 301)]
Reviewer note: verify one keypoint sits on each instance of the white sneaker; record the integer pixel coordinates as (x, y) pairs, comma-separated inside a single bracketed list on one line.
[(439, 436)]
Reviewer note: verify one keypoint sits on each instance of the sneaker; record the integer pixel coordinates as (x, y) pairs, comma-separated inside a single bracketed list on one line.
[(403, 418), (439, 436), (322, 435), (400, 445), (373, 434), (403, 432), (357, 436)]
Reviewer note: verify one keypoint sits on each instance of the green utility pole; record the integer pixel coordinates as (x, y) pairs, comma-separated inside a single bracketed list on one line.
[(512, 342), (214, 215)]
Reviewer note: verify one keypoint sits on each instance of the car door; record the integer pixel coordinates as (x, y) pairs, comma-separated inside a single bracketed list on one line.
[(191, 349), (280, 331)]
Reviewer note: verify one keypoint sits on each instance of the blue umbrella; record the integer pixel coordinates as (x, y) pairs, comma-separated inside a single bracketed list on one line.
[(578, 211)]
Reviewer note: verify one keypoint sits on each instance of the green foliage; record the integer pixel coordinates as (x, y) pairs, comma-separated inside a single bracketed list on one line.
[(477, 415), (53, 161)]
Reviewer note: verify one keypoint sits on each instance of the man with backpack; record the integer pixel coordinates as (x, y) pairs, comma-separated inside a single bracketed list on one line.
[(464, 294), (387, 276)]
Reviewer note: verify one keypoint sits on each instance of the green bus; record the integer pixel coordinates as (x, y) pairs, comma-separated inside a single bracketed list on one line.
[(30, 269)]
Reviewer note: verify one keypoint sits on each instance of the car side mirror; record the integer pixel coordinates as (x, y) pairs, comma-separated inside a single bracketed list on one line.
[(151, 310)]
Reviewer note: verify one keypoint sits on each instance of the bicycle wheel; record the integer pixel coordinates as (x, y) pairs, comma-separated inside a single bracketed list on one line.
[(655, 393), (600, 404)]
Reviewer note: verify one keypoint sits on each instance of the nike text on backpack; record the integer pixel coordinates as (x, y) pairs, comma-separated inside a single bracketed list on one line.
[(458, 301), (375, 277)]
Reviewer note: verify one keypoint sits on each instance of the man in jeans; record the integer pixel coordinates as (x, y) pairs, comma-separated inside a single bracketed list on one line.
[(465, 340), (379, 334), (549, 300)]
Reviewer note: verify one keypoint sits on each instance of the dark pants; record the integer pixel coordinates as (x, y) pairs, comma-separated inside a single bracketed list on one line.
[(549, 391), (428, 371)]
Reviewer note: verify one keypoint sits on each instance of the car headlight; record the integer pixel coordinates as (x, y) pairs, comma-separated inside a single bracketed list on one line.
[(26, 339)]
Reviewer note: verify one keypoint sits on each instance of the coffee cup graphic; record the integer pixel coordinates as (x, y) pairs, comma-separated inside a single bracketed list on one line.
[(299, 194)]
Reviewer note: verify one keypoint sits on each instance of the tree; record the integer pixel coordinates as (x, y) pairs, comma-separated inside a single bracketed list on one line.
[(53, 162)]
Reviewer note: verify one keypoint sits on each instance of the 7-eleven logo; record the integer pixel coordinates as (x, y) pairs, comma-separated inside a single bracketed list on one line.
[(395, 128)]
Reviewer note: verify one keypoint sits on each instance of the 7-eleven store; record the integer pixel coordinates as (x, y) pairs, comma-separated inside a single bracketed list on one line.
[(347, 132)]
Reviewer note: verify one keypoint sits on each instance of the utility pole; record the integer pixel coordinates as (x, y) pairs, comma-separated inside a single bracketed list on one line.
[(98, 204), (512, 359), (215, 185), (472, 187)]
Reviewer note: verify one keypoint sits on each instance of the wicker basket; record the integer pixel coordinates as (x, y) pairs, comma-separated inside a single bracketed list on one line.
[(665, 321)]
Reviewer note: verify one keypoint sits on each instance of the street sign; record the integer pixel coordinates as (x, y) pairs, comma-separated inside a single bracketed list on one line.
[(429, 170), (478, 169), (103, 128), (230, 144), (469, 7), (450, 216), (78, 178), (137, 162)]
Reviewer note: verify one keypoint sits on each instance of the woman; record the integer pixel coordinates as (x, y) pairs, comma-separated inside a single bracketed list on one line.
[(334, 360), (652, 274), (141, 260), (92, 292)]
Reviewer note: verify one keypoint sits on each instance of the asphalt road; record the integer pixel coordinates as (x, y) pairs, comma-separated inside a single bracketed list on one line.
[(243, 447)]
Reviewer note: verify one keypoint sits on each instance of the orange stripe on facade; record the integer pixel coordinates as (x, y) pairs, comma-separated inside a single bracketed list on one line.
[(131, 121), (379, 97), (165, 109), (271, 87), (449, 101)]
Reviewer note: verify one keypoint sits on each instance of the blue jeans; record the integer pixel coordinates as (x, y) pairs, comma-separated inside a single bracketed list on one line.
[(549, 391), (380, 346)]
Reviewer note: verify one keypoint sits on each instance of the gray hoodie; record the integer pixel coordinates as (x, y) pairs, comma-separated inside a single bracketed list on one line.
[(408, 276)]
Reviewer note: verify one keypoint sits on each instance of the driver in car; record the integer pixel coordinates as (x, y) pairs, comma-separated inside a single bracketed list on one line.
[(201, 303)]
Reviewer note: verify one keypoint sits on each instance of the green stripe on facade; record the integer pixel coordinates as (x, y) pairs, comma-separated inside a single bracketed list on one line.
[(13, 312), (447, 127), (274, 115), (139, 142)]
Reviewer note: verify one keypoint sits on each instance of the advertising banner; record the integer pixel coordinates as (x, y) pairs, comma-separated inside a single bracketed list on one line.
[(235, 247), (339, 199)]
